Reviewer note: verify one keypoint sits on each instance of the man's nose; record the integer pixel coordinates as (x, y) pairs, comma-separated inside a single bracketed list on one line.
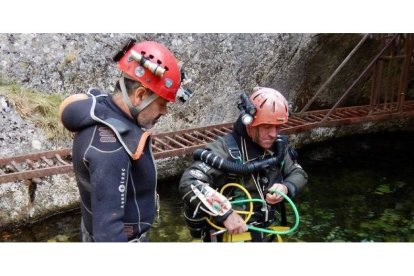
[(273, 132)]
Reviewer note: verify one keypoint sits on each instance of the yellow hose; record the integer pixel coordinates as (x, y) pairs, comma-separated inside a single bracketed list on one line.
[(248, 213)]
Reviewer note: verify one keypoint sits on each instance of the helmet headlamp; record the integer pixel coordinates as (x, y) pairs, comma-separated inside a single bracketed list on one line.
[(247, 109)]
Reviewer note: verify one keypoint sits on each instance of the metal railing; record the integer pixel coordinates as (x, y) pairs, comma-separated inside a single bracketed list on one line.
[(393, 48)]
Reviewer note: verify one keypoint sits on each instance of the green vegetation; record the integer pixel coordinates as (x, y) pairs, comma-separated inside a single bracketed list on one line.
[(39, 108), (2, 81)]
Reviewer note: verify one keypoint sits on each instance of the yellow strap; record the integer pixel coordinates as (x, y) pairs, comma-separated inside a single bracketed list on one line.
[(246, 236), (237, 237), (279, 228)]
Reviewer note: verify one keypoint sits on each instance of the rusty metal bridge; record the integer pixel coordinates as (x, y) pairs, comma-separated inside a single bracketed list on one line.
[(387, 101)]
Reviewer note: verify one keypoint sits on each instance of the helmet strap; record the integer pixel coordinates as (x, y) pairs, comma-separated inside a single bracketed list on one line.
[(135, 110), (127, 100), (142, 105)]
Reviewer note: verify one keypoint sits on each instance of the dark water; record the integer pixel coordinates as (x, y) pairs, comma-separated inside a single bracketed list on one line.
[(361, 189)]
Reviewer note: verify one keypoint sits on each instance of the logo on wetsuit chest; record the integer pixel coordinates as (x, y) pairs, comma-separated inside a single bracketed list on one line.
[(122, 187), (106, 135)]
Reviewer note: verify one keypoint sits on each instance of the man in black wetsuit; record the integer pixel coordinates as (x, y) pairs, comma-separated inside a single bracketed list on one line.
[(254, 140), (112, 155)]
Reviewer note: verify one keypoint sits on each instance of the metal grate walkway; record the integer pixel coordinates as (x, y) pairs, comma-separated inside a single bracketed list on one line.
[(183, 142)]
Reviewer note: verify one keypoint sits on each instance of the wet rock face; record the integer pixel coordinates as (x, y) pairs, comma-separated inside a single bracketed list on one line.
[(24, 202)]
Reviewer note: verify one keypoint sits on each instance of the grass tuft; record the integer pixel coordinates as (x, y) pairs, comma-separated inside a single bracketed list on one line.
[(39, 108)]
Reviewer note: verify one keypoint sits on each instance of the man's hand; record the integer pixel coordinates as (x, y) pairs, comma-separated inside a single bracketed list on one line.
[(272, 197), (235, 224)]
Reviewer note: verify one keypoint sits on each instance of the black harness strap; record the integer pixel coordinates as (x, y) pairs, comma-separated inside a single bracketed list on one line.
[(233, 148), (234, 154)]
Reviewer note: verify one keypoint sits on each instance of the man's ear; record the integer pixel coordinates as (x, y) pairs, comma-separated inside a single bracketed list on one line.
[(139, 95)]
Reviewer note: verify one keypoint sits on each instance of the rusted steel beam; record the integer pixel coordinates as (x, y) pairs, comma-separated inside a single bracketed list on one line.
[(30, 163), (315, 118), (221, 133), (291, 123), (178, 152), (174, 141), (61, 161), (28, 166), (193, 138), (15, 166), (408, 51), (182, 139), (212, 135), (16, 176), (47, 161), (155, 148), (376, 83), (35, 156), (354, 113), (227, 129), (335, 116), (200, 129), (156, 139), (209, 139), (296, 120)]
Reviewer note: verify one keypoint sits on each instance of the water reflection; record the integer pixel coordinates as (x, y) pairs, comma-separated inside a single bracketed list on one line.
[(360, 190), (170, 225)]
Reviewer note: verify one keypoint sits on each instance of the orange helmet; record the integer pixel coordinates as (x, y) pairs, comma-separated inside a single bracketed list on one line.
[(154, 66), (271, 107)]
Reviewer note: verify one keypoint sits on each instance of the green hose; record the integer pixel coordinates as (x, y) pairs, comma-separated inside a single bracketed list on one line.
[(270, 231)]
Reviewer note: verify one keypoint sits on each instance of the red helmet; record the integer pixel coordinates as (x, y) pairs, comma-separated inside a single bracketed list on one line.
[(271, 107), (154, 66)]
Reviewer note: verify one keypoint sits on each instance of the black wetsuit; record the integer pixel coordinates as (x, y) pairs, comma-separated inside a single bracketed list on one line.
[(118, 193)]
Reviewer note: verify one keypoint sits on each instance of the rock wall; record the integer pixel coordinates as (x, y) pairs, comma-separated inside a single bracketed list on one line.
[(218, 64)]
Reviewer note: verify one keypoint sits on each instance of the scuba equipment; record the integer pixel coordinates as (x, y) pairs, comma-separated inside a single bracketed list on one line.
[(238, 158), (219, 163), (216, 203), (248, 214), (235, 166)]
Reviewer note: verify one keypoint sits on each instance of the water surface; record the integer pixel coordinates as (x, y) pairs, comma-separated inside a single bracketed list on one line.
[(360, 189)]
